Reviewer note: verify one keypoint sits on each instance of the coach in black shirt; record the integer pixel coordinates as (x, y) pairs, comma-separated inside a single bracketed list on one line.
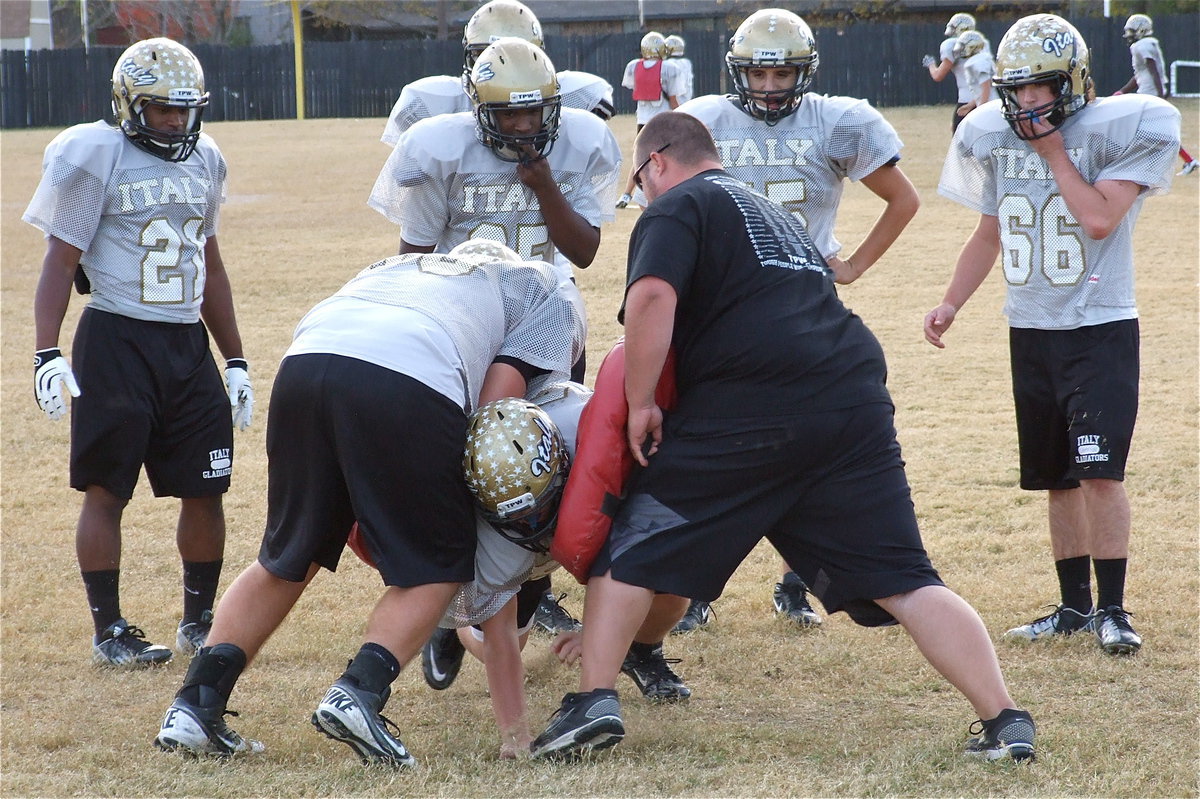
[(783, 428)]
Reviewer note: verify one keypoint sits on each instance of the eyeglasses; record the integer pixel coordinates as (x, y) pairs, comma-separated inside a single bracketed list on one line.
[(637, 173)]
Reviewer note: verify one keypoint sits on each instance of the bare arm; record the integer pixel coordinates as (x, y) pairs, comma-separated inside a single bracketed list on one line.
[(975, 260), (891, 185), (570, 232), (502, 380), (217, 308), (940, 71), (649, 325), (506, 680), (406, 248), (53, 291)]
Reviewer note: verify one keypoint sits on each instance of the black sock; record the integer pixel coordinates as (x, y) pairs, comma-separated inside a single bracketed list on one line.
[(199, 587), (373, 669), (212, 674), (103, 596), (644, 650), (1075, 582), (791, 578), (1110, 582)]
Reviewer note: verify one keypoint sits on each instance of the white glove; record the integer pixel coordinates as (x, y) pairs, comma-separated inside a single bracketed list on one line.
[(50, 373), (241, 393), (928, 61)]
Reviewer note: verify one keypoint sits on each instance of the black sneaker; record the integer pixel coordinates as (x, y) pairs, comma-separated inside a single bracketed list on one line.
[(125, 646), (351, 715), (1114, 631), (653, 676), (1059, 621), (192, 635), (698, 615), (441, 658), (201, 731), (551, 617), (791, 601), (584, 721), (1010, 734)]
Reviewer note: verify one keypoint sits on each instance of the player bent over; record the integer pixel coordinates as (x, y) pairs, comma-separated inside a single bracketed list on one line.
[(390, 365), (130, 216)]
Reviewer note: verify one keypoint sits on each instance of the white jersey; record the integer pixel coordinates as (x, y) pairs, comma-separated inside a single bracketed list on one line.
[(443, 321), (802, 161), (687, 78), (957, 68), (671, 79), (442, 187), (140, 221), (444, 94), (500, 565), (1142, 52), (977, 70), (1058, 278)]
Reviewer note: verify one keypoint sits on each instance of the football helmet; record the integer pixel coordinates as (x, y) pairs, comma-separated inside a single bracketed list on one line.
[(484, 250), (512, 74), (654, 45), (495, 20), (959, 24), (770, 38), (968, 44), (1138, 26), (515, 464), (160, 72), (675, 45), (1042, 48)]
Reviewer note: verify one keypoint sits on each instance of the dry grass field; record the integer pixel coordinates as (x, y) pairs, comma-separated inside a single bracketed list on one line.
[(776, 712)]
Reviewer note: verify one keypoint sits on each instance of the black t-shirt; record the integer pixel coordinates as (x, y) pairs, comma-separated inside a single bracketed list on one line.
[(759, 328)]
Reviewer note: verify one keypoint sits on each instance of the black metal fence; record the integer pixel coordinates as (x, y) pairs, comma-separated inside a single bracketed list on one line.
[(879, 62)]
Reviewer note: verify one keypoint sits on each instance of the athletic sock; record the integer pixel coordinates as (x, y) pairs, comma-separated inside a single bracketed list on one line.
[(642, 650), (1110, 581), (103, 596), (1075, 582), (200, 581), (373, 669)]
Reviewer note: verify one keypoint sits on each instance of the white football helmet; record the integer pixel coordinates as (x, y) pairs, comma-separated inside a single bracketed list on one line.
[(654, 45), (959, 24), (1042, 48), (676, 45), (968, 44), (495, 20), (1138, 26), (515, 465), (769, 38), (159, 72), (514, 74)]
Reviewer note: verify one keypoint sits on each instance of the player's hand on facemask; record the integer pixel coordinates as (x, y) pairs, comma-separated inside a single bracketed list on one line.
[(51, 373), (241, 393)]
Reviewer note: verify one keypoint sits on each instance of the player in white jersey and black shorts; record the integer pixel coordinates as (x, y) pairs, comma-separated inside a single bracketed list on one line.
[(446, 94), (948, 62), (130, 216), (799, 148), (368, 419), (1149, 70), (1059, 179)]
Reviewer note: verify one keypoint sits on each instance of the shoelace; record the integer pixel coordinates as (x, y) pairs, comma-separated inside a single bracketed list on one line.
[(977, 723), (1120, 617), (133, 632), (660, 667), (557, 611)]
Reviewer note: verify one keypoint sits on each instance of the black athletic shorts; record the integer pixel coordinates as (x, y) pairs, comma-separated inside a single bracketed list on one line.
[(957, 120), (1076, 395), (827, 489), (351, 441), (151, 394)]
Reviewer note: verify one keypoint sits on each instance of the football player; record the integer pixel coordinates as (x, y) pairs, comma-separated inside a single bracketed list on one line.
[(130, 215), (656, 82), (947, 62), (1058, 180), (446, 94), (676, 47), (798, 148), (392, 364), (1149, 76), (977, 64)]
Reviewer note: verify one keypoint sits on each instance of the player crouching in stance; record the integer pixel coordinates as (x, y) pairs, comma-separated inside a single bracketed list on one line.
[(374, 393), (1058, 180), (518, 455), (130, 215)]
